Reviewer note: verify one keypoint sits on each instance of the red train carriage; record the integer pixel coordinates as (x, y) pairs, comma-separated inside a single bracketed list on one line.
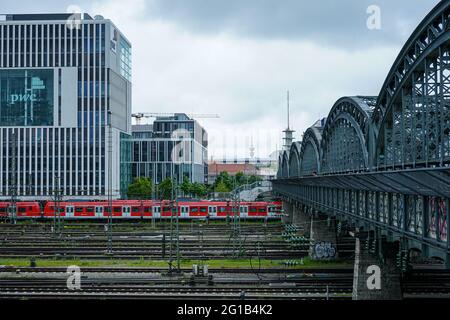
[(257, 209), (130, 209), (74, 210), (275, 209), (23, 210), (146, 209), (28, 210), (4, 209)]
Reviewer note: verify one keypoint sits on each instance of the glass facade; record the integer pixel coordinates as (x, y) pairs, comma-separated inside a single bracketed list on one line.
[(125, 163), (26, 97), (174, 146), (125, 59)]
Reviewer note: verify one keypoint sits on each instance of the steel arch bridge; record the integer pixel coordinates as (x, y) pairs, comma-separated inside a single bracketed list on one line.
[(383, 163)]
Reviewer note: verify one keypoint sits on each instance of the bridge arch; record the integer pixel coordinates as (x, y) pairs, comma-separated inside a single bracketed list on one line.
[(294, 160), (310, 151), (412, 117), (345, 134)]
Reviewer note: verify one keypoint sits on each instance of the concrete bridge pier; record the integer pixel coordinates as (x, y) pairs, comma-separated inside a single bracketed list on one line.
[(376, 277), (288, 212), (321, 230), (323, 237)]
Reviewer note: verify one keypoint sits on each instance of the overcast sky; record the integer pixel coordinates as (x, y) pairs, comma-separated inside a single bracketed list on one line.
[(238, 58)]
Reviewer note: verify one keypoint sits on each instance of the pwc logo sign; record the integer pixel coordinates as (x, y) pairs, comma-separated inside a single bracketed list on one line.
[(27, 97)]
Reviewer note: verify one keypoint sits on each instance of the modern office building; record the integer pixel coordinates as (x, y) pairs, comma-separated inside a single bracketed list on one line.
[(174, 145), (65, 106)]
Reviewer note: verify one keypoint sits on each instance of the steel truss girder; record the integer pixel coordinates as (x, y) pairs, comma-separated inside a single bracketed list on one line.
[(411, 203), (422, 219), (413, 51)]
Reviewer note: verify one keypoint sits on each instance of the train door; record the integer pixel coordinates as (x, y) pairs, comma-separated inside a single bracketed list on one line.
[(243, 211), (69, 212), (126, 212), (212, 211), (157, 211), (184, 212), (99, 212)]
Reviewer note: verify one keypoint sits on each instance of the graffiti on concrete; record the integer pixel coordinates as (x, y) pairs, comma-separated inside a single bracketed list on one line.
[(324, 250)]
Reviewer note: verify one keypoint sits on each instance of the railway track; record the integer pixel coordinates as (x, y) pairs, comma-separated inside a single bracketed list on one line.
[(158, 250), (229, 284), (426, 284), (343, 270), (88, 240)]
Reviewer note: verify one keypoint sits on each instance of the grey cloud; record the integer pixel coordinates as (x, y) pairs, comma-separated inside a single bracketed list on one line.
[(330, 22), (338, 23)]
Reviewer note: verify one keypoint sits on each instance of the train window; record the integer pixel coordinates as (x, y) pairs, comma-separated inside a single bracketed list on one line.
[(3, 210), (147, 209), (167, 209), (126, 209), (78, 209), (252, 209), (136, 209), (99, 209), (157, 209), (22, 209), (212, 209), (271, 209), (89, 209), (222, 209), (203, 209), (117, 209), (194, 209), (261, 210), (107, 209)]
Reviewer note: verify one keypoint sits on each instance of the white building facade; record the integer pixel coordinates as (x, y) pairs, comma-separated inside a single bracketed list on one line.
[(65, 85)]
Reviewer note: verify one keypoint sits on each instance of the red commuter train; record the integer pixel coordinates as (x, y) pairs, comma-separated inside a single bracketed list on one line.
[(146, 209)]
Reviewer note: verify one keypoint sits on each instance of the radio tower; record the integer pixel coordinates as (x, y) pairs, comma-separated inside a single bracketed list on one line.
[(288, 133)]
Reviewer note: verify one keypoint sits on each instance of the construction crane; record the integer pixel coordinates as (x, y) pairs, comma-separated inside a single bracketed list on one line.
[(139, 116)]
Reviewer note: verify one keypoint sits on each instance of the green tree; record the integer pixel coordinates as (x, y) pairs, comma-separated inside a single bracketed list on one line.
[(165, 189), (141, 188), (199, 190), (222, 187), (186, 186), (224, 178), (240, 178)]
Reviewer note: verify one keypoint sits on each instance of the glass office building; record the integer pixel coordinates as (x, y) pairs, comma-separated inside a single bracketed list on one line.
[(172, 146), (65, 97)]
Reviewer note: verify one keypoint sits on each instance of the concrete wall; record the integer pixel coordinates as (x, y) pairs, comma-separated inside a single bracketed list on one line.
[(365, 283)]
